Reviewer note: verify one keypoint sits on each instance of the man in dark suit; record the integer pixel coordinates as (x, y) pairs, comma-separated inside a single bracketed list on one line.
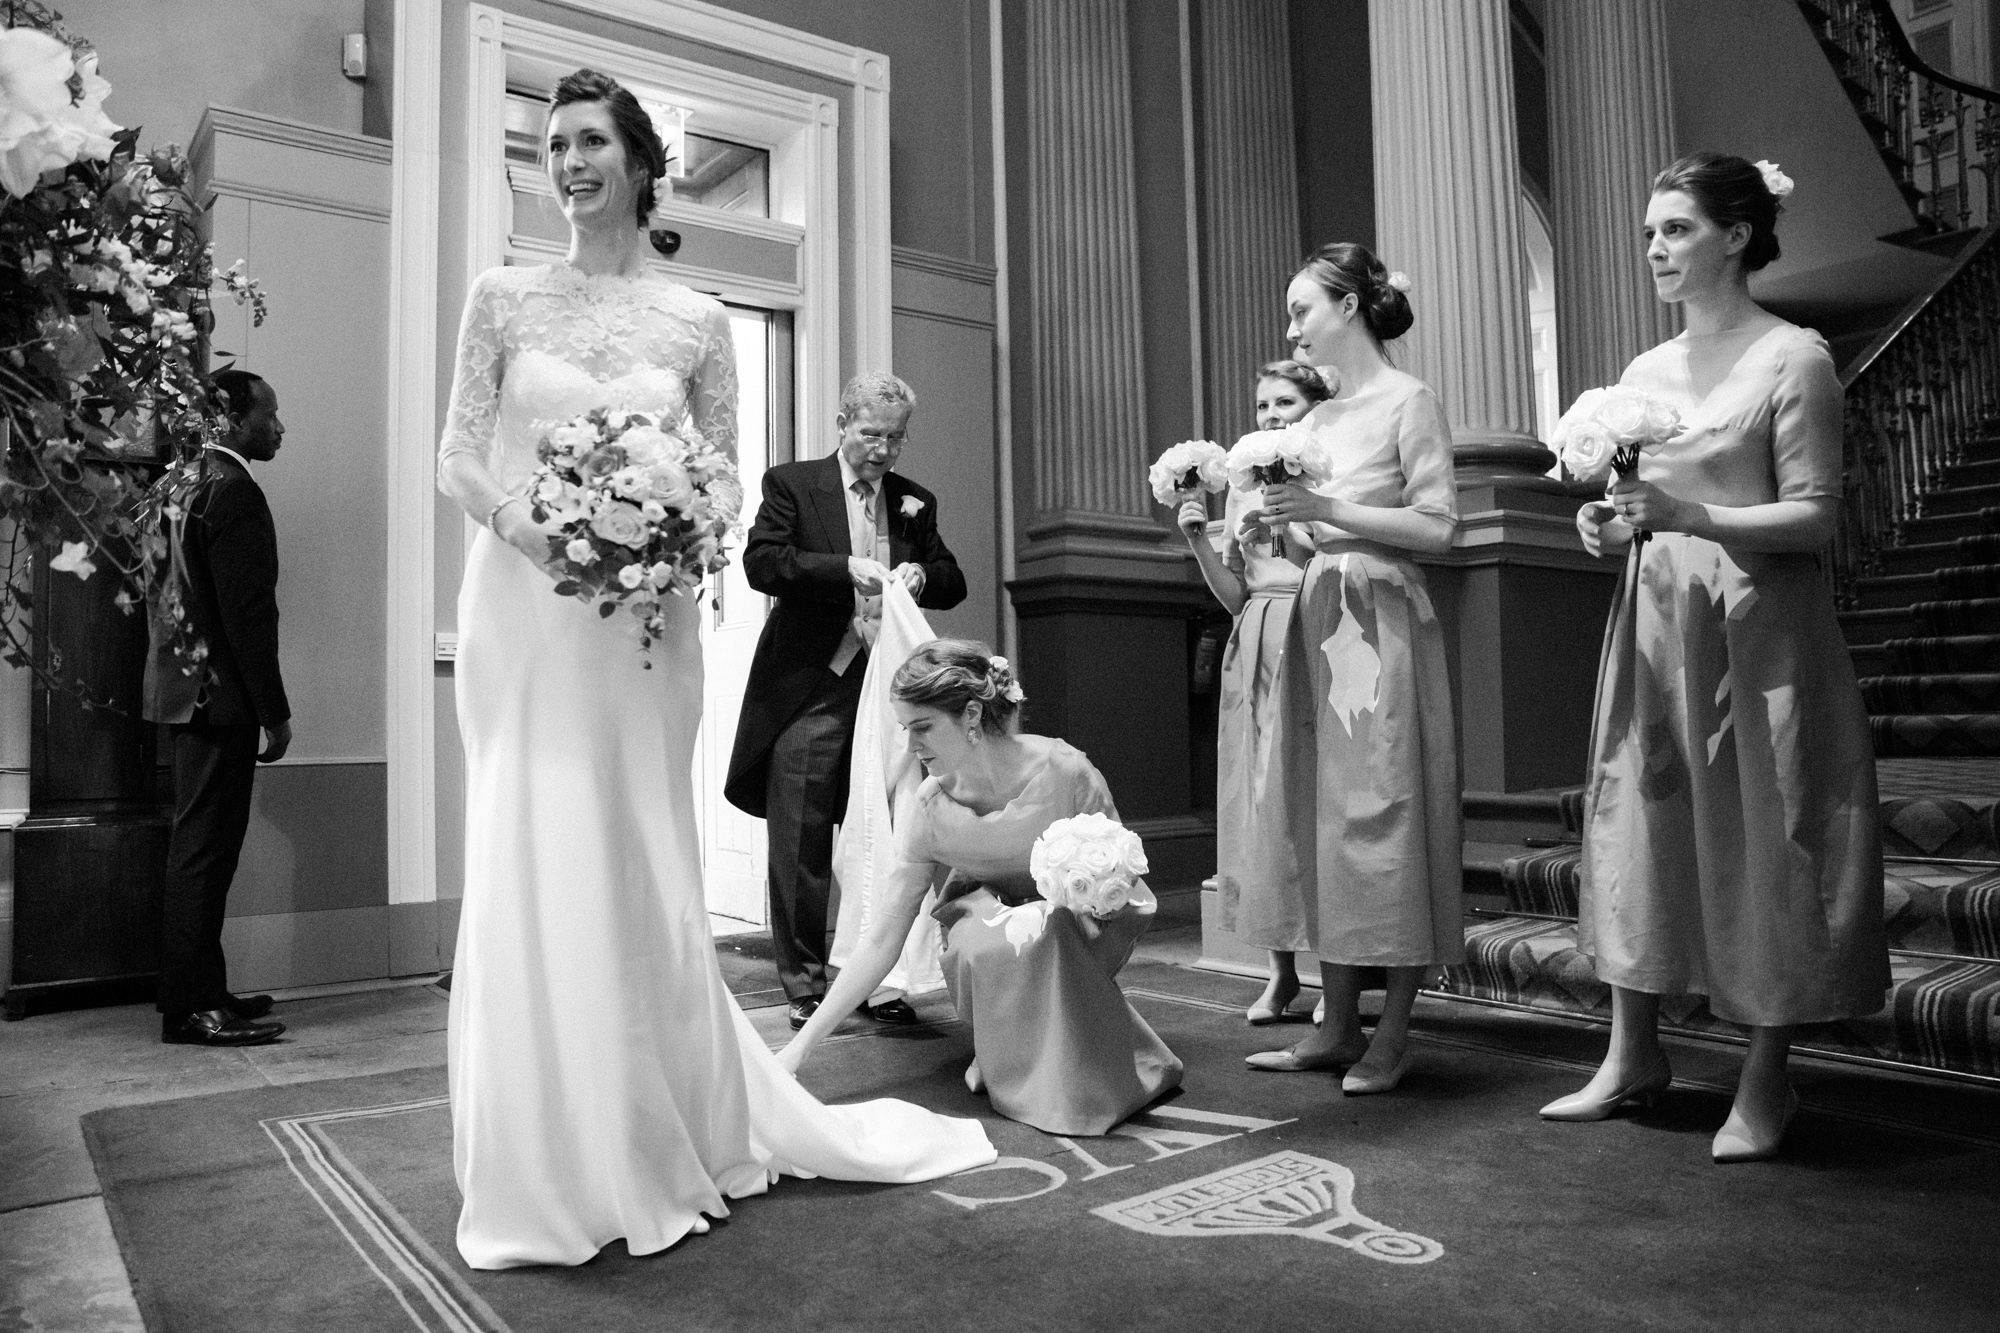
[(829, 533), (214, 713)]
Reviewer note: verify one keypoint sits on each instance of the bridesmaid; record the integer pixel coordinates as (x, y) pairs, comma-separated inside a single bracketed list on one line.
[(1055, 1043), (1731, 844), (1260, 862), (1366, 661)]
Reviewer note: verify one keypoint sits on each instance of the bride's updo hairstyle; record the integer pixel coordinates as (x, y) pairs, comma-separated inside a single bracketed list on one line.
[(1729, 190), (948, 674), (635, 128), (1346, 269)]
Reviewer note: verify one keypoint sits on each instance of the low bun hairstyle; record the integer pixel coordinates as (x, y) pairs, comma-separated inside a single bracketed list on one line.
[(1309, 383), (1346, 269), (1729, 190), (948, 674), (635, 128)]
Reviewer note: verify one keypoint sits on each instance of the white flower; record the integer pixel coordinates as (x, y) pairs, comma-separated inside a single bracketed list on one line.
[(632, 575), (1202, 462), (668, 483), (1777, 182), (648, 444), (581, 551), (40, 127), (74, 559), (1295, 449), (1400, 281), (575, 439), (912, 506), (1604, 424)]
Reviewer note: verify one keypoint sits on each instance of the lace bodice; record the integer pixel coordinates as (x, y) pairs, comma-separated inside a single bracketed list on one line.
[(539, 345)]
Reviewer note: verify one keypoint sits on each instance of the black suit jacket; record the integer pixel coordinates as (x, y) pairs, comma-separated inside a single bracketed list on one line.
[(229, 547), (797, 552)]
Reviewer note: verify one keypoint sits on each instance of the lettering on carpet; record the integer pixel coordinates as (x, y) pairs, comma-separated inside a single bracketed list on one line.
[(1285, 1194)]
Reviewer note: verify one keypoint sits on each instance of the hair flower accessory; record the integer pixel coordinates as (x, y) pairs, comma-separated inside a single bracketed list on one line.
[(1002, 676), (1777, 182), (1400, 281)]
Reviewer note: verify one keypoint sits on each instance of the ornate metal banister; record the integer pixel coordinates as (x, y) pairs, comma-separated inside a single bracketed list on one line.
[(1934, 131), (1916, 396)]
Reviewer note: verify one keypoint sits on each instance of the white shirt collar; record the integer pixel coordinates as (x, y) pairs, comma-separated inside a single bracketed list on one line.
[(225, 449)]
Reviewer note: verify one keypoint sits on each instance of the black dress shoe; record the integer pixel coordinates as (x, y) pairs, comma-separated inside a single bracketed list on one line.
[(216, 1027), (248, 1006), (804, 1009), (891, 1011)]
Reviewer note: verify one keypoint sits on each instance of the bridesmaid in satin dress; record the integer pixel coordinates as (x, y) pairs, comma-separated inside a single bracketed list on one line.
[(1055, 1043), (1731, 838), (1368, 655), (1263, 804)]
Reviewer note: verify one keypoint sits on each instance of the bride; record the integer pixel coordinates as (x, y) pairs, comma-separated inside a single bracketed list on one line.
[(604, 1084)]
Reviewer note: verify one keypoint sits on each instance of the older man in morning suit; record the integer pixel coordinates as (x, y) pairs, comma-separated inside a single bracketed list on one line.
[(229, 548), (830, 531)]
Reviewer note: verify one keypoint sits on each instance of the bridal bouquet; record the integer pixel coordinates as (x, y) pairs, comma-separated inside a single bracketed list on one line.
[(643, 509), (1089, 864), (1188, 469), (1269, 457), (1605, 430)]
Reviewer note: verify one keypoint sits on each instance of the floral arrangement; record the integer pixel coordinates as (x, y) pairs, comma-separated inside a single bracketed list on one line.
[(1605, 430), (1270, 457), (642, 510), (1190, 468), (105, 284), (1090, 864)]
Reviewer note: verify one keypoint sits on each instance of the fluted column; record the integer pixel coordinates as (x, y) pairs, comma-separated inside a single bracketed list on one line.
[(1611, 126), (1448, 213), (1089, 404), (1249, 205)]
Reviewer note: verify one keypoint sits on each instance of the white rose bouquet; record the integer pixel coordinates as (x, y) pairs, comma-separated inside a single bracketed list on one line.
[(1270, 457), (643, 510), (1605, 430), (1090, 864), (1188, 469)]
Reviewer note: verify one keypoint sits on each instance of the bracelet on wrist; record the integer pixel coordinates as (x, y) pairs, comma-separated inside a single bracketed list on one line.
[(493, 514)]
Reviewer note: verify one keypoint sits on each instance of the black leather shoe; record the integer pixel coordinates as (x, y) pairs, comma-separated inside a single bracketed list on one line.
[(216, 1027), (891, 1011), (249, 1006), (804, 1009)]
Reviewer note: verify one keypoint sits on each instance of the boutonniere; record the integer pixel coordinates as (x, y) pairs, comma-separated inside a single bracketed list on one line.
[(912, 506)]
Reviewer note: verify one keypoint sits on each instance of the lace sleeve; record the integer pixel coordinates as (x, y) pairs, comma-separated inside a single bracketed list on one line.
[(712, 385), (475, 383)]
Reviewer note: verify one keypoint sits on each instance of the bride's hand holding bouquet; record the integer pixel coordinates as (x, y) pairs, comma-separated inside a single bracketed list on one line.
[(630, 509), (1600, 439)]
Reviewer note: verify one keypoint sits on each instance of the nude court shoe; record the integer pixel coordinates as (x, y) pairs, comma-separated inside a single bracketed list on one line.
[(1358, 1084), (1738, 1141), (1644, 1089)]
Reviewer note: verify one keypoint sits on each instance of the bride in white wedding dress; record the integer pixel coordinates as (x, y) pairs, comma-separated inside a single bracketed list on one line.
[(604, 1084)]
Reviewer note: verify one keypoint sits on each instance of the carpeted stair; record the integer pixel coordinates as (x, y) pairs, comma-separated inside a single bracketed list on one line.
[(1925, 629), (1942, 905)]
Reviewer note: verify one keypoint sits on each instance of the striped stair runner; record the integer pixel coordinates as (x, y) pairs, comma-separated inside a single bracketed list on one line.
[(1925, 629), (1942, 911)]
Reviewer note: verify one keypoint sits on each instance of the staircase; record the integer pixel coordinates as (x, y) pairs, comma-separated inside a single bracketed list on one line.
[(1942, 892)]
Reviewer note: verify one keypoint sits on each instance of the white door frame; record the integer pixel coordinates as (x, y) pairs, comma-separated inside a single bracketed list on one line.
[(412, 641)]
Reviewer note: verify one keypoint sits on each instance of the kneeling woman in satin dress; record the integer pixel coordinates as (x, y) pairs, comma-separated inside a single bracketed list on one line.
[(1055, 1043)]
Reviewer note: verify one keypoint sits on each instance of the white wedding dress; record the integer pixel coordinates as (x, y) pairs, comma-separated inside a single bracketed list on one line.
[(604, 1084)]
